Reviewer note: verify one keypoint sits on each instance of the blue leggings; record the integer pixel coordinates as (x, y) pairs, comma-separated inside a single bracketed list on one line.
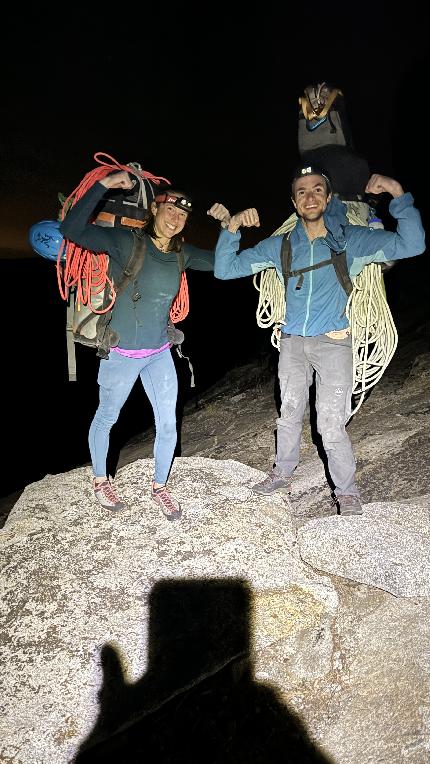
[(116, 378)]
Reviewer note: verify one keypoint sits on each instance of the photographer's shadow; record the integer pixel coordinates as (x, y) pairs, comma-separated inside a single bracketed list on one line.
[(198, 701)]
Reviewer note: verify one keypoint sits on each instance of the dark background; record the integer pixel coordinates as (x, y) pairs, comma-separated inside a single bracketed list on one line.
[(208, 99)]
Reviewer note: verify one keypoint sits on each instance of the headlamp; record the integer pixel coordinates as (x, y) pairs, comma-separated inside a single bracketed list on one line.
[(313, 171), (303, 171), (178, 201)]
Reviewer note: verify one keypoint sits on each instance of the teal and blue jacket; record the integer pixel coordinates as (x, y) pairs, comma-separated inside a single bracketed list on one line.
[(319, 305)]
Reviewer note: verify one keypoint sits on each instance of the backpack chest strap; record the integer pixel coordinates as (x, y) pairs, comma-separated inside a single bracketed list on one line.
[(337, 260)]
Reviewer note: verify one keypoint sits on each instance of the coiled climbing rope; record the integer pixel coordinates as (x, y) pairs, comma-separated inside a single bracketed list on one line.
[(373, 332), (181, 304), (271, 300)]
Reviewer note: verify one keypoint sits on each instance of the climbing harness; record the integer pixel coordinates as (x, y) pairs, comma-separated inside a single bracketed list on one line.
[(374, 335)]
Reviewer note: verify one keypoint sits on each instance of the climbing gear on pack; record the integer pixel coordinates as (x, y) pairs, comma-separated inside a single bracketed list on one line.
[(107, 496), (170, 508), (111, 220), (374, 335)]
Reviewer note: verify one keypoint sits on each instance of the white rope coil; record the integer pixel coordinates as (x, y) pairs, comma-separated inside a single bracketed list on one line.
[(374, 334)]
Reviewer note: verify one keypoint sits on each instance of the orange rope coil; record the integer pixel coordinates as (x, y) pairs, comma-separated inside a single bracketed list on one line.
[(181, 303)]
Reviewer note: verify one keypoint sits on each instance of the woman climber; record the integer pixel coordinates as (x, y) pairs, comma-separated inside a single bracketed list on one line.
[(140, 318)]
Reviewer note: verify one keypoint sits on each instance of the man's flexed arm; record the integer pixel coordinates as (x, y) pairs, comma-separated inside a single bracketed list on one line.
[(409, 238), (379, 183)]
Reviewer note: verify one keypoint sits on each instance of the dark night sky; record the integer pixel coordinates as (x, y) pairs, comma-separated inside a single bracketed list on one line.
[(207, 99)]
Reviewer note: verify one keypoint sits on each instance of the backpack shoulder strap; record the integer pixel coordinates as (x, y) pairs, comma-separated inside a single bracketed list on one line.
[(286, 258), (337, 259), (134, 263), (181, 261), (340, 265)]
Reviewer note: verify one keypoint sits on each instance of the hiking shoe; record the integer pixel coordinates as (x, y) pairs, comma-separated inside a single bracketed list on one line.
[(272, 483), (170, 508), (348, 504), (107, 496)]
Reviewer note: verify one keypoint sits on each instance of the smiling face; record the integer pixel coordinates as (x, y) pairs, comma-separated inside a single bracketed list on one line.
[(310, 197), (169, 219)]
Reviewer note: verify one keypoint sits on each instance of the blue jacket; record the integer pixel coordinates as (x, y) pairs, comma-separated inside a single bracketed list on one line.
[(319, 305)]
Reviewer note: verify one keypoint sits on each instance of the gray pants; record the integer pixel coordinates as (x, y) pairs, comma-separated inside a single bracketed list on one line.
[(332, 362)]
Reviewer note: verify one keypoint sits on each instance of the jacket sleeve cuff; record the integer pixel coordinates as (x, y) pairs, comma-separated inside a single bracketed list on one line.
[(399, 204)]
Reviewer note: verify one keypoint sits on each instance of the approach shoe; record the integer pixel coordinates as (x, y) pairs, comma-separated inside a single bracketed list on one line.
[(273, 483), (170, 508), (348, 504), (107, 496)]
